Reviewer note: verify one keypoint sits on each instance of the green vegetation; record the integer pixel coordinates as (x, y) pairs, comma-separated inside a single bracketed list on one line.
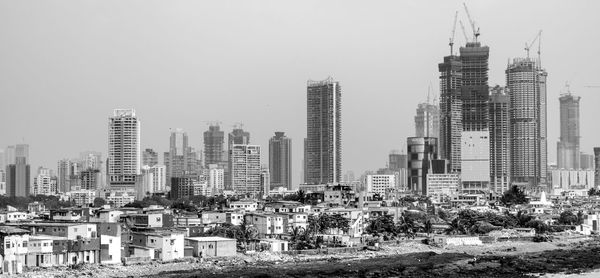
[(51, 202), (514, 196)]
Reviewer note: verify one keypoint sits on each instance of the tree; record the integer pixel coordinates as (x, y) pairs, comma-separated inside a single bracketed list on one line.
[(98, 202), (514, 196), (568, 218)]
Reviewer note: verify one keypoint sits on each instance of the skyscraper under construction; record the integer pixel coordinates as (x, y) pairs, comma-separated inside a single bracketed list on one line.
[(568, 146), (450, 111), (526, 84)]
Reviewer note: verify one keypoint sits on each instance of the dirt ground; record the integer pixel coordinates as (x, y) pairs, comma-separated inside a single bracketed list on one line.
[(406, 259)]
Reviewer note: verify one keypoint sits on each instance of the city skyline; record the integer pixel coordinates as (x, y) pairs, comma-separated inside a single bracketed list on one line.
[(86, 131)]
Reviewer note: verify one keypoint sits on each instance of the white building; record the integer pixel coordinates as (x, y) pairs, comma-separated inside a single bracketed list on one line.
[(159, 180), (475, 162), (378, 184), (564, 180), (216, 178), (44, 185), (118, 198), (439, 185), (82, 197), (245, 168), (124, 152)]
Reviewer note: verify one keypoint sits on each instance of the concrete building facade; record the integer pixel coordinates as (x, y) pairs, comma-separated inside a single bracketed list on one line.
[(499, 140), (421, 152), (124, 151), (323, 152), (244, 163), (280, 160), (526, 85)]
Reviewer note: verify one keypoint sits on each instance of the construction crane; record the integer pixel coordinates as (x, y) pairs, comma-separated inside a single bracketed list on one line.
[(475, 30), (462, 26), (451, 43), (537, 37)]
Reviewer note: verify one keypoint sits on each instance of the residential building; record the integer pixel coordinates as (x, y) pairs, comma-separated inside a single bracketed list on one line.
[(124, 151), (90, 160), (440, 186), (190, 185), (451, 110), (110, 242), (244, 163), (67, 170), (381, 184), (14, 249), (83, 197), (280, 160), (165, 245), (159, 179), (526, 86), (323, 153), (265, 181), (118, 197), (499, 140), (216, 178), (90, 179), (212, 246), (43, 183), (568, 147), (149, 157), (421, 151), (266, 224), (569, 179), (475, 160)]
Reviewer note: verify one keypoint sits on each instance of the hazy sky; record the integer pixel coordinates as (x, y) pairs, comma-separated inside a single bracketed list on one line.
[(65, 65)]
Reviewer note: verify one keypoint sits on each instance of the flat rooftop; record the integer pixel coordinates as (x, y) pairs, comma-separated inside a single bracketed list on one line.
[(210, 238)]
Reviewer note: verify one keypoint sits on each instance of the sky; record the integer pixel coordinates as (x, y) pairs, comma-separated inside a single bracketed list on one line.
[(65, 65)]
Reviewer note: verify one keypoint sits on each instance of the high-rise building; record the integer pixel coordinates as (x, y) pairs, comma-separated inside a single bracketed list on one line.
[(18, 178), (238, 136), (475, 160), (124, 151), (159, 178), (188, 186), (450, 110), (323, 154), (68, 172), (18, 175), (568, 146), (265, 181), (474, 87), (245, 167), (280, 160), (91, 160), (44, 183), (597, 166), (216, 178), (586, 161), (214, 140), (499, 140), (397, 160), (421, 152), (181, 159), (526, 86), (90, 179), (427, 120), (380, 184), (2, 165), (149, 157)]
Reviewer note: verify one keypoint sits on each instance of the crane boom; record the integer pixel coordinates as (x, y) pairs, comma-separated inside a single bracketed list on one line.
[(528, 46), (462, 26), (451, 43), (475, 30)]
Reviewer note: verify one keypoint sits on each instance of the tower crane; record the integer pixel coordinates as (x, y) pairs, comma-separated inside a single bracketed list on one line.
[(451, 43), (475, 30), (537, 37), (462, 26)]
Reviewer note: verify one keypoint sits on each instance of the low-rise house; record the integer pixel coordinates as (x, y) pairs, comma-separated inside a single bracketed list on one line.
[(40, 251), (213, 217), (106, 216), (244, 205), (295, 220), (110, 242), (167, 244), (13, 216), (275, 245), (234, 217), (70, 214), (150, 220), (13, 249), (286, 206), (212, 246), (266, 224), (36, 207)]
